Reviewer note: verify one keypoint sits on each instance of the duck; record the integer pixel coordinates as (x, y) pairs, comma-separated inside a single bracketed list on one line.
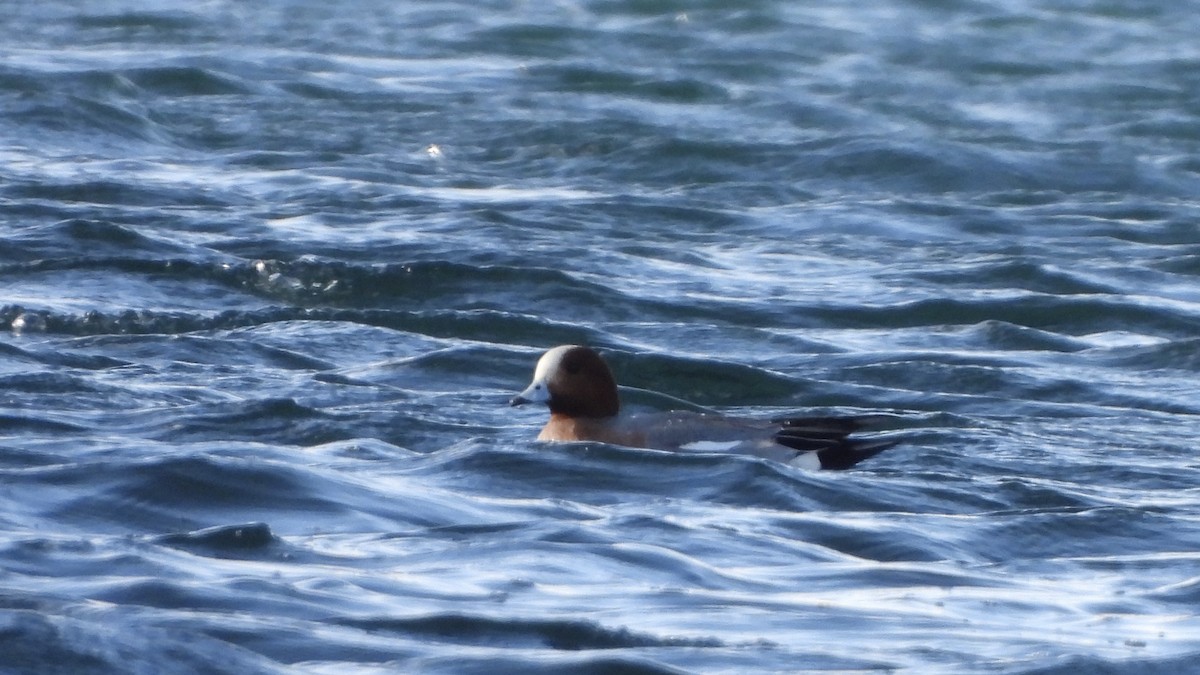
[(578, 387)]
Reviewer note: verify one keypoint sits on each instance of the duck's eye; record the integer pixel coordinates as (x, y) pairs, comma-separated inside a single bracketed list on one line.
[(572, 368)]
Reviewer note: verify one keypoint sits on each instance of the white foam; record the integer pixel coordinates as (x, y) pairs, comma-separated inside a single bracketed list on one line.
[(710, 446)]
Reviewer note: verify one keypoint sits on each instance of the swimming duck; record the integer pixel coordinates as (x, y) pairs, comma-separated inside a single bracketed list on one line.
[(579, 388)]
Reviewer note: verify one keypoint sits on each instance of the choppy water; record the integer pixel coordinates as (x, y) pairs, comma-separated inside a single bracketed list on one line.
[(268, 275)]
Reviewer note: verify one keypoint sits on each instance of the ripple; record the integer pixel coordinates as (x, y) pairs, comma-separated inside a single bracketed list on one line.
[(269, 277), (36, 642), (567, 635)]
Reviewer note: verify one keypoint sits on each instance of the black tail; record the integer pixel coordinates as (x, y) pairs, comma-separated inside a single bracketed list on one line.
[(828, 437), (851, 452)]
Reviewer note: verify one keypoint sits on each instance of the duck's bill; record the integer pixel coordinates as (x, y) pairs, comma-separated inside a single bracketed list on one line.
[(537, 392)]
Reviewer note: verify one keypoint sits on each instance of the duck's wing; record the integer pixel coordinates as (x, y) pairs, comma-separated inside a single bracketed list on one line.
[(811, 442), (829, 438)]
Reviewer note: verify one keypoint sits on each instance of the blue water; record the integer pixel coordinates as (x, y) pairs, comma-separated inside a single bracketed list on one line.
[(269, 273)]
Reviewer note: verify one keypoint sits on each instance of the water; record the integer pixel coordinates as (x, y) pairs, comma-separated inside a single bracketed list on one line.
[(268, 276)]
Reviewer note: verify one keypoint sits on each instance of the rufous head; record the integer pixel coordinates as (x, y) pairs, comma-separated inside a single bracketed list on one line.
[(574, 382)]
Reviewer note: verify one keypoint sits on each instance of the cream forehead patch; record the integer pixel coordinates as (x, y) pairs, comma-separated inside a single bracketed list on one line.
[(550, 362)]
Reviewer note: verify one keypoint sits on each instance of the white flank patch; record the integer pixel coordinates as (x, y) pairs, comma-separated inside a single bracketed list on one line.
[(710, 446), (807, 460)]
